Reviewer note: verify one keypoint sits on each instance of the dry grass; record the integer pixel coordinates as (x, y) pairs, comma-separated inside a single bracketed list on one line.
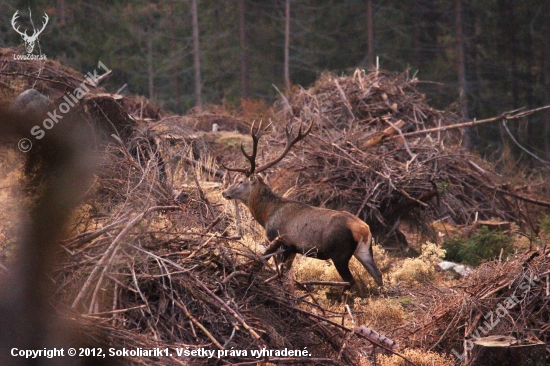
[(419, 357), (380, 313), (421, 269)]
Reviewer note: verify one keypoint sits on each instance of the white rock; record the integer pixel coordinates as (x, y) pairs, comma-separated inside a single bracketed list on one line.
[(446, 266)]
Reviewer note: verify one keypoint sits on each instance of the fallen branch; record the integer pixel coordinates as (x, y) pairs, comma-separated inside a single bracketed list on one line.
[(373, 335), (323, 283), (523, 198), (503, 116)]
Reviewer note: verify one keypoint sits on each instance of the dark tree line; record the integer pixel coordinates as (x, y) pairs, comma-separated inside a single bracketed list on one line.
[(486, 56)]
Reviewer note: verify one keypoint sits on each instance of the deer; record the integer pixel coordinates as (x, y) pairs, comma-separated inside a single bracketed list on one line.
[(297, 227), (29, 40)]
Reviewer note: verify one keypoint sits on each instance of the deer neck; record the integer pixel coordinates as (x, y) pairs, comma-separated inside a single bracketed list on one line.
[(262, 203)]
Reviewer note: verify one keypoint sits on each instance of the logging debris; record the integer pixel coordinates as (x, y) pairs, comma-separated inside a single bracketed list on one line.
[(361, 157)]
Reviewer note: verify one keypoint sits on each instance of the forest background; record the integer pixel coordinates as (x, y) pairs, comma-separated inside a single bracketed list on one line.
[(478, 57)]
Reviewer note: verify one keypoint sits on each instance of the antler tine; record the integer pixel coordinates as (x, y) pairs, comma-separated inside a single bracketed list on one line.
[(240, 170), (289, 143), (252, 157)]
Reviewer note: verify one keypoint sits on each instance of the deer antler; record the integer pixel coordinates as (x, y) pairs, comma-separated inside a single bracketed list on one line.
[(289, 143), (256, 137), (13, 20), (252, 157)]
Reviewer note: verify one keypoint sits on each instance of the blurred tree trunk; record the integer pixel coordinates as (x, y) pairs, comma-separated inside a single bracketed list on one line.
[(546, 79), (471, 31), (534, 125), (509, 47), (461, 70), (150, 71), (287, 46), (60, 10), (196, 55), (370, 34), (244, 49), (174, 47), (509, 30)]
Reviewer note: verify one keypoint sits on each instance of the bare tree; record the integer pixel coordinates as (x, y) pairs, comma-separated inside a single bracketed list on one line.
[(244, 49), (546, 73), (150, 71), (461, 67), (196, 55), (287, 46), (370, 34), (60, 10), (175, 68)]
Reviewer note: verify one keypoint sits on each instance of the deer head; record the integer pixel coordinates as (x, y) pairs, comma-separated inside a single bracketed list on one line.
[(29, 40), (251, 189)]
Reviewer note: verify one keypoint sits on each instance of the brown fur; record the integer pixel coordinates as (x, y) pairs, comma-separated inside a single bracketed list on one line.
[(359, 229), (311, 231)]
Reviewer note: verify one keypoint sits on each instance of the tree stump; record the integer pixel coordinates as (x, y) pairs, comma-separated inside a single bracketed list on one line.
[(508, 351)]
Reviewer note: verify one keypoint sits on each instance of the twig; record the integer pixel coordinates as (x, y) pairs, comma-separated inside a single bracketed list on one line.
[(214, 223), (389, 349), (218, 173), (520, 146), (111, 252), (324, 283), (195, 321), (523, 198), (88, 236), (403, 137), (225, 306), (238, 219)]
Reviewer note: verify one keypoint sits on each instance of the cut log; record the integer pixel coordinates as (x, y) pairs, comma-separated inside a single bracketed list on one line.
[(377, 337), (508, 351), (495, 225), (492, 225)]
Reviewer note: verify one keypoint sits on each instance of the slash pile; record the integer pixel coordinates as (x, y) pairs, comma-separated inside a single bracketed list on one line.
[(359, 157)]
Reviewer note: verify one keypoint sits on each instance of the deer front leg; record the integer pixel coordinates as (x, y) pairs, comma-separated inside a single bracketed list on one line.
[(273, 246), (288, 259)]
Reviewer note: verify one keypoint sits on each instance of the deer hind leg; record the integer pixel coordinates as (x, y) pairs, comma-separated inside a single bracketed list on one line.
[(364, 254)]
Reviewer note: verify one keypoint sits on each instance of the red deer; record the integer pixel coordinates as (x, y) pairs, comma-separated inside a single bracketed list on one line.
[(311, 231)]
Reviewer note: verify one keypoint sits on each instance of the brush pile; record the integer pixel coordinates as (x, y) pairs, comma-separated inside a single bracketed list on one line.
[(150, 262), (148, 270), (499, 298), (112, 112), (359, 157)]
